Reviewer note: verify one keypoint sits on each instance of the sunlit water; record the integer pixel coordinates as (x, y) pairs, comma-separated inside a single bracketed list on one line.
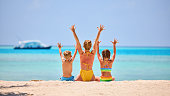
[(131, 63)]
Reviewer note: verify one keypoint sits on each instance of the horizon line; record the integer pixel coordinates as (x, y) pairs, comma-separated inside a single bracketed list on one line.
[(103, 46)]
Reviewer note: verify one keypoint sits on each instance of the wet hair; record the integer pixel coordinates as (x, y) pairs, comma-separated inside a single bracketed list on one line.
[(87, 44), (67, 53), (106, 54)]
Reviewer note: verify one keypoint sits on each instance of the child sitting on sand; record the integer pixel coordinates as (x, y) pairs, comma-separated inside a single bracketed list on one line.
[(67, 63), (106, 63)]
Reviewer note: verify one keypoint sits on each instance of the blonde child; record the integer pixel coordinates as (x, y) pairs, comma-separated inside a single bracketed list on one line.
[(67, 61)]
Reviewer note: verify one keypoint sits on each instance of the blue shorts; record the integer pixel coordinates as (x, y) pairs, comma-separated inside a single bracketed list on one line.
[(67, 79)]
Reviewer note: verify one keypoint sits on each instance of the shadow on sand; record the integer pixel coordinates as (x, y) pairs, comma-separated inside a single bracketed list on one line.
[(12, 93), (13, 86), (15, 94)]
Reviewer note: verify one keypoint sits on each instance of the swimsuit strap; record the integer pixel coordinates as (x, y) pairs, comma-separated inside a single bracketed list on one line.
[(87, 65), (87, 53), (106, 65), (106, 69)]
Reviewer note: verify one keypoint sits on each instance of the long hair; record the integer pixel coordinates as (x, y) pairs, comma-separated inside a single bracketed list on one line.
[(106, 54)]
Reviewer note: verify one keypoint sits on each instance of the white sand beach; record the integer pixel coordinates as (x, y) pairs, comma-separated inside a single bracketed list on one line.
[(64, 88)]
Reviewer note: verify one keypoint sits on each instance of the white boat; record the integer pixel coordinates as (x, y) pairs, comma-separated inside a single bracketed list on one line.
[(31, 44)]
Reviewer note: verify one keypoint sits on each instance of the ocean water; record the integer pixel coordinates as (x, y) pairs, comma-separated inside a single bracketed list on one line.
[(131, 63)]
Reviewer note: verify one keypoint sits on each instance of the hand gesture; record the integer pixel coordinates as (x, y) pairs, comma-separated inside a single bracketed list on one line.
[(115, 41), (98, 42), (59, 45), (101, 28), (73, 28)]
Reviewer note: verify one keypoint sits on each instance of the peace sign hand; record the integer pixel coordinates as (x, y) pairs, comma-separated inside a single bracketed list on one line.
[(59, 45)]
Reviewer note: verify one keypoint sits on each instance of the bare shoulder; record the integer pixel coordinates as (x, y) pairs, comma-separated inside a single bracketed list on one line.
[(71, 61), (111, 61), (101, 60), (67, 62), (81, 53), (63, 60), (102, 63), (93, 52), (90, 54)]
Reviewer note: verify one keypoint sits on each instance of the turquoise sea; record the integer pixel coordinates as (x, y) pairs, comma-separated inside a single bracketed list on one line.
[(131, 63)]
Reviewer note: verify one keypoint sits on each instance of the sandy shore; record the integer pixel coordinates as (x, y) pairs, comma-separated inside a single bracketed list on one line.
[(60, 88)]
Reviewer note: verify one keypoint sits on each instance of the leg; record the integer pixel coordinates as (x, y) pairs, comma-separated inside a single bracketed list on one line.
[(93, 78), (113, 78), (78, 78), (97, 79)]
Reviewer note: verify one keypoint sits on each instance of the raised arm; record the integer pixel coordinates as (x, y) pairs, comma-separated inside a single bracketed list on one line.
[(61, 55), (98, 54), (114, 48), (97, 38), (75, 52), (76, 38)]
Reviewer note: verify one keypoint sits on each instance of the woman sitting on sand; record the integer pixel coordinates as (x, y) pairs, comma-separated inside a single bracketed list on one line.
[(86, 57), (106, 63)]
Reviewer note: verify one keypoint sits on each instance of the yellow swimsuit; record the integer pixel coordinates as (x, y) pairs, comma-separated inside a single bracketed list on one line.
[(88, 53), (86, 75)]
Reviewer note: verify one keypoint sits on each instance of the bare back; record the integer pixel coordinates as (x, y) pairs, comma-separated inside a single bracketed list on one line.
[(86, 61), (67, 68)]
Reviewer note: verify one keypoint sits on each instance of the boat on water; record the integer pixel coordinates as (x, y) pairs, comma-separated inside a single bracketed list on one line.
[(31, 44)]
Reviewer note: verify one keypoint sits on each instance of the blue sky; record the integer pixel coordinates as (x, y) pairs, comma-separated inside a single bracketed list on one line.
[(132, 22)]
